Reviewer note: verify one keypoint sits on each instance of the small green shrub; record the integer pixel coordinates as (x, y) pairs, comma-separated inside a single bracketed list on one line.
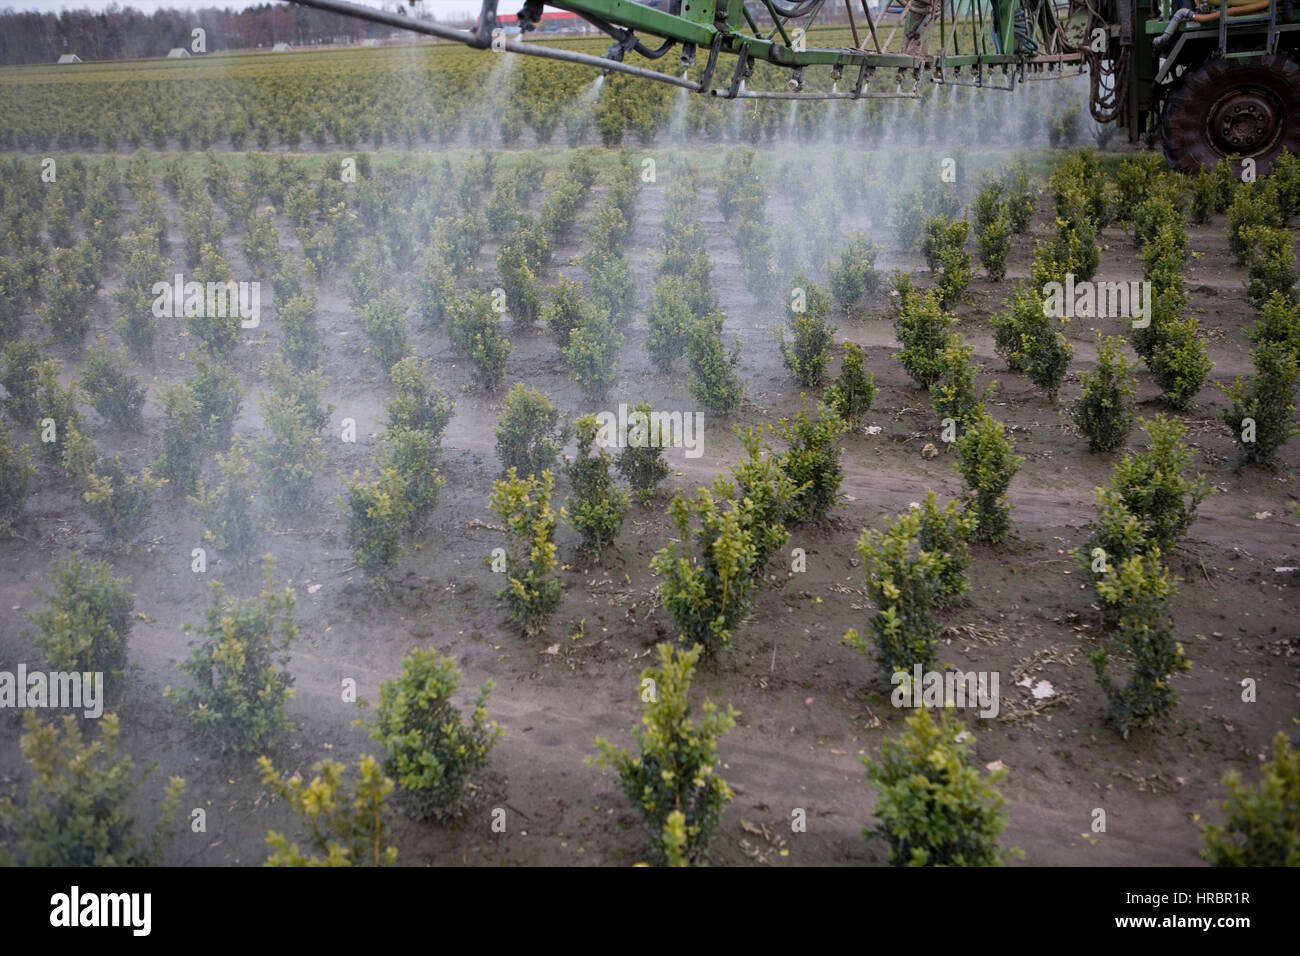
[(1135, 595), (987, 461), (20, 376), (852, 392), (809, 316), (217, 395), (954, 267), (417, 403), (529, 437), (1153, 487), (118, 502), (593, 354), (475, 331), (813, 460), (384, 319), (922, 330), (435, 289), (216, 324), (432, 749), (954, 394), (564, 310), (906, 583), (673, 780), (760, 480), (855, 276), (227, 509), (87, 619), (641, 459), (532, 593), (79, 811), (1262, 823), (289, 458), (946, 531), (1270, 263), (302, 338), (707, 574), (16, 476), (1251, 206), (713, 373), (522, 256), (239, 669), (1104, 409), (669, 318), (935, 807), (302, 389), (343, 829), (413, 455), (598, 506), (1263, 412), (378, 514), (994, 247)]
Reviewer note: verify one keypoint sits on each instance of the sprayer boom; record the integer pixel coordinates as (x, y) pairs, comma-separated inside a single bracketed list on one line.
[(719, 29)]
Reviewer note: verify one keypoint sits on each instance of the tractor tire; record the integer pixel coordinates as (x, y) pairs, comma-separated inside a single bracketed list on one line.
[(1248, 107)]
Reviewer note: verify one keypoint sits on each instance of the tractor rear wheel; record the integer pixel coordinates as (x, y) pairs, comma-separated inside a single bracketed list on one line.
[(1247, 107)]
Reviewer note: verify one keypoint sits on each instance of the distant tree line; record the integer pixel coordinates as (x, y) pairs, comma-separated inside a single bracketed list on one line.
[(127, 33)]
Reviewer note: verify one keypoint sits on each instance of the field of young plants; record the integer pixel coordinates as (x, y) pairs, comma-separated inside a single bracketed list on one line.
[(572, 482)]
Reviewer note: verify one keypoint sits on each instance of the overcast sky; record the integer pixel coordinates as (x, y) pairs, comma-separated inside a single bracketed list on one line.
[(441, 7)]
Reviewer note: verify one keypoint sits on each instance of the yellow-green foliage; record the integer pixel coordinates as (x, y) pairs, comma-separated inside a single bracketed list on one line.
[(532, 592), (79, 809), (240, 668), (1262, 825), (432, 749), (673, 778), (343, 829), (934, 805)]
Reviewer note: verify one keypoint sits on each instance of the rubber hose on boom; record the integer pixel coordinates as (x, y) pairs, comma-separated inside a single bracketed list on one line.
[(791, 11)]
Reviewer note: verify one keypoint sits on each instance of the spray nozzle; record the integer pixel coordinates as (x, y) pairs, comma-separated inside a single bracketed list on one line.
[(624, 43), (795, 83)]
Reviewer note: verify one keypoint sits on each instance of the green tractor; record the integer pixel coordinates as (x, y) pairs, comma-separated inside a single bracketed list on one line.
[(1217, 82)]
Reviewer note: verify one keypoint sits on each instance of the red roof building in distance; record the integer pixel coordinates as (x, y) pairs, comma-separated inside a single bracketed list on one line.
[(547, 16), (553, 21)]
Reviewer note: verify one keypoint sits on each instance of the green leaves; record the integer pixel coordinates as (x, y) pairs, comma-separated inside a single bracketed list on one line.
[(1262, 825), (916, 564), (432, 749), (79, 811), (809, 353), (935, 807), (1135, 595), (708, 574), (673, 779), (532, 593), (529, 437), (987, 461), (239, 670), (1104, 409), (812, 461), (87, 619), (598, 506), (922, 329), (853, 391), (345, 829)]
